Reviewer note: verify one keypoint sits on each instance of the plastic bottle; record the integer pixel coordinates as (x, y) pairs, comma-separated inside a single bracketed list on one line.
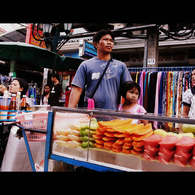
[(24, 103), (18, 101), (12, 106), (31, 103), (4, 104)]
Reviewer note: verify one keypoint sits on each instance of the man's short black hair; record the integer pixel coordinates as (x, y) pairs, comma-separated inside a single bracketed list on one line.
[(101, 33), (55, 75), (128, 86)]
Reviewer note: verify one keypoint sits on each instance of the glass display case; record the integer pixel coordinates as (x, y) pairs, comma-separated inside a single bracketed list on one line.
[(111, 139)]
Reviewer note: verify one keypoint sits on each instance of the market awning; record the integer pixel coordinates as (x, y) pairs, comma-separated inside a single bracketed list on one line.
[(23, 52)]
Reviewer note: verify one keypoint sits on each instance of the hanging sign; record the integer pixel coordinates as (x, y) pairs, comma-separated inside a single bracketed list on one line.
[(151, 61), (31, 40), (86, 49)]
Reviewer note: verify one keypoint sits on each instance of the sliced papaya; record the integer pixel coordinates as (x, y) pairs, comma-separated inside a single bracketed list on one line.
[(138, 143), (119, 135), (103, 123), (131, 130), (101, 129), (111, 130), (109, 144), (122, 129), (141, 131), (109, 134), (128, 138), (115, 123), (99, 141), (127, 147), (126, 151), (139, 149), (109, 138), (117, 150), (99, 145), (108, 148), (136, 152), (115, 145), (99, 133), (128, 144), (97, 136), (141, 137), (120, 141)]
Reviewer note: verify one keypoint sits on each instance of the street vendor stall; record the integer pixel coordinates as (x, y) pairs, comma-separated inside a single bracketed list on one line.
[(105, 140)]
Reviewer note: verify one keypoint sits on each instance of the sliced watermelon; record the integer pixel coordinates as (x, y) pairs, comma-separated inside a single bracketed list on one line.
[(151, 148), (178, 162), (169, 142), (153, 140), (151, 153), (165, 156), (182, 159), (192, 161), (185, 143), (181, 153), (162, 160), (193, 151), (166, 151), (147, 157)]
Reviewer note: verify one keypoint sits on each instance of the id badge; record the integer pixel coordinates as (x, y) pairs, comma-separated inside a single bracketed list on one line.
[(52, 91)]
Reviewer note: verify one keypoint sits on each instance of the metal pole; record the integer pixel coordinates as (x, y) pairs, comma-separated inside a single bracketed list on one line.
[(55, 43), (28, 151), (145, 54)]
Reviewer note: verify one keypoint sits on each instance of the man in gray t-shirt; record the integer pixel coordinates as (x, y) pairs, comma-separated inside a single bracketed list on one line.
[(107, 95)]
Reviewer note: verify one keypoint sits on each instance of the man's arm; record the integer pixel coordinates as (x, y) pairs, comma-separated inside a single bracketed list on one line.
[(74, 96), (185, 111)]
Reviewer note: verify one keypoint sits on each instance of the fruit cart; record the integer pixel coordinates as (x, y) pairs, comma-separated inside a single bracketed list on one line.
[(65, 125)]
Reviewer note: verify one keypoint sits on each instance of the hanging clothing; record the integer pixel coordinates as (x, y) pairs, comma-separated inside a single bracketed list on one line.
[(157, 97), (162, 91)]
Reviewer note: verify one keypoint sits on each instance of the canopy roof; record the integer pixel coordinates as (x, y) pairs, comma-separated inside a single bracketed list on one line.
[(23, 52)]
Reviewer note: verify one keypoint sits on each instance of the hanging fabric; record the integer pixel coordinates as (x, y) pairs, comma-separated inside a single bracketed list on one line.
[(162, 89)]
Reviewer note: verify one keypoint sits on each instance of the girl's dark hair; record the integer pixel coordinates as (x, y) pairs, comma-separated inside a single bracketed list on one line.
[(101, 33), (128, 86), (44, 88), (23, 84)]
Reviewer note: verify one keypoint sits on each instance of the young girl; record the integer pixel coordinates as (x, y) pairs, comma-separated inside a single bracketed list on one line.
[(131, 92)]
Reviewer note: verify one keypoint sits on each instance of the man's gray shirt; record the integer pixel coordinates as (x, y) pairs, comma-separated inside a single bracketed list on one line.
[(107, 95)]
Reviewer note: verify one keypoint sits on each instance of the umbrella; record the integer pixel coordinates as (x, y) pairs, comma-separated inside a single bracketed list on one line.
[(23, 52)]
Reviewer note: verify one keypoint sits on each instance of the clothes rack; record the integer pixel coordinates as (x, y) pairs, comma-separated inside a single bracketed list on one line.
[(162, 89)]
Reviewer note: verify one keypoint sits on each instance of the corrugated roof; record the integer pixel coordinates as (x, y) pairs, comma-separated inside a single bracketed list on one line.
[(14, 36)]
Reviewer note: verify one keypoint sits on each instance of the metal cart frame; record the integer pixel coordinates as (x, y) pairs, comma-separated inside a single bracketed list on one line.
[(97, 167)]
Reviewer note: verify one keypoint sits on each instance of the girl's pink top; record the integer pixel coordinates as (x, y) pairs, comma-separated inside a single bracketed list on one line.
[(136, 109)]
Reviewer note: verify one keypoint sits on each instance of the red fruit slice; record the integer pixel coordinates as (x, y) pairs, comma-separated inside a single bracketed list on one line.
[(181, 153), (162, 160), (192, 161), (185, 143), (151, 153), (178, 162), (147, 157), (182, 159), (165, 156), (169, 142), (153, 140)]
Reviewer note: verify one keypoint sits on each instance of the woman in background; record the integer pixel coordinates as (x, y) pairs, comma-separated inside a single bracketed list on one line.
[(45, 98)]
